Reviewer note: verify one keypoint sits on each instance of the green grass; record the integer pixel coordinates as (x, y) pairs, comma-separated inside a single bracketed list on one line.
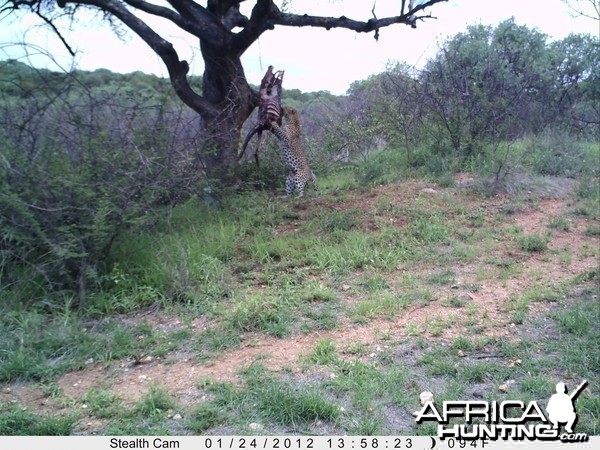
[(339, 220), (204, 417), (444, 277), (368, 387), (216, 339), (103, 403), (533, 243), (15, 421), (339, 181), (269, 400), (324, 318), (155, 404), (384, 304), (317, 292), (285, 405), (560, 224), (439, 363), (479, 372), (256, 266), (323, 353), (266, 314)]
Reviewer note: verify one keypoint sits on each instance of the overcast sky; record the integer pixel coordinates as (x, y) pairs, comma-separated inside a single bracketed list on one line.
[(314, 59)]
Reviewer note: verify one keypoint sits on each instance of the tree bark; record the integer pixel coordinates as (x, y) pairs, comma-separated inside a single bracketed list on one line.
[(232, 99)]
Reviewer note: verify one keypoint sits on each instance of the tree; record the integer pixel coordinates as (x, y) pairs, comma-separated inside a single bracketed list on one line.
[(83, 157), (577, 78), (227, 99), (491, 84), (584, 8)]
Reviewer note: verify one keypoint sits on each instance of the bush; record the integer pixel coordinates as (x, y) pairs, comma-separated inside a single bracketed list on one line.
[(76, 168), (558, 154)]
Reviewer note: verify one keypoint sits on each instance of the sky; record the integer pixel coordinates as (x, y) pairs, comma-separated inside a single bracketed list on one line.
[(313, 59)]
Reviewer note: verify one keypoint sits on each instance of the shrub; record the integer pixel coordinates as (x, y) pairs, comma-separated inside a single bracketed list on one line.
[(72, 180)]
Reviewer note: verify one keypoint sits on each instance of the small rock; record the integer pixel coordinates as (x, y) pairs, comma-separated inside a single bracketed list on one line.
[(84, 406), (425, 397), (428, 191), (333, 376), (177, 417), (90, 361), (506, 386), (142, 377), (461, 353), (255, 426), (345, 287)]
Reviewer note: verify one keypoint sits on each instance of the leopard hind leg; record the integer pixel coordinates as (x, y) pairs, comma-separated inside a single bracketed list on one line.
[(300, 186), (290, 184)]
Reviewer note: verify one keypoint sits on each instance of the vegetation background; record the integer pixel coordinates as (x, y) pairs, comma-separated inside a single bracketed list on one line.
[(106, 211)]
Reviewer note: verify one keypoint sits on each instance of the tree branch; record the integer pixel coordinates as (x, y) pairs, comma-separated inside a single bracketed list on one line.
[(189, 16), (177, 69), (259, 22), (409, 17), (50, 23)]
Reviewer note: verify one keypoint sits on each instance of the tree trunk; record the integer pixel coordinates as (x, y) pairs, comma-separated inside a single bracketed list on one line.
[(224, 85)]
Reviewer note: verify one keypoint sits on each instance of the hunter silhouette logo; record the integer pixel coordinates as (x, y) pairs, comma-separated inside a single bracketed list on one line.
[(561, 406), (508, 419)]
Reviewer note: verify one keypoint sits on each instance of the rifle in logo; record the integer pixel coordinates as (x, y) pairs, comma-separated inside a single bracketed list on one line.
[(561, 406)]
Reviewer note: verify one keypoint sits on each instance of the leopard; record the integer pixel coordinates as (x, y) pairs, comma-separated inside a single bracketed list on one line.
[(292, 152)]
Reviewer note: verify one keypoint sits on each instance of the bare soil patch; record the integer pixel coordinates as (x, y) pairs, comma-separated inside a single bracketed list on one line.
[(181, 372)]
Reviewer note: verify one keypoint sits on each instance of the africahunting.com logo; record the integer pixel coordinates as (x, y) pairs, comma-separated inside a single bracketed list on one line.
[(509, 419)]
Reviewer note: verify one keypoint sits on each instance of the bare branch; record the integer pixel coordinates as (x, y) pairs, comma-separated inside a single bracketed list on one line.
[(409, 17), (189, 16), (578, 8), (258, 23), (375, 18), (50, 23)]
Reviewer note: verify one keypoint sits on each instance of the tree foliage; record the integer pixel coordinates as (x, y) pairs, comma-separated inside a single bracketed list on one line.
[(79, 162), (485, 85), (224, 33), (84, 156)]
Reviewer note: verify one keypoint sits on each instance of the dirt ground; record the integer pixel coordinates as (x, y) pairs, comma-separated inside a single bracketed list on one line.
[(180, 372)]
